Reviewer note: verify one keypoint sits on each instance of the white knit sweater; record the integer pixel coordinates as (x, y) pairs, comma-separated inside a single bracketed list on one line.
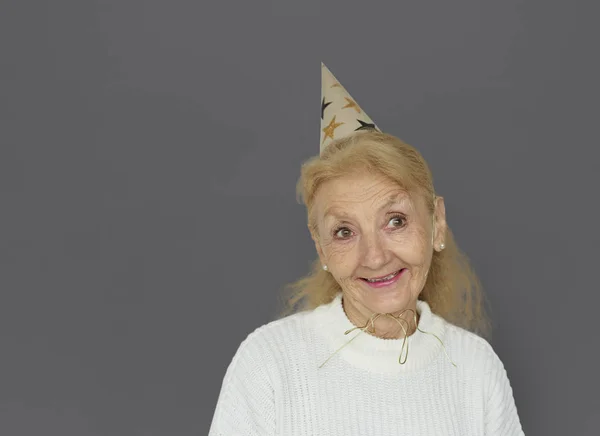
[(274, 385)]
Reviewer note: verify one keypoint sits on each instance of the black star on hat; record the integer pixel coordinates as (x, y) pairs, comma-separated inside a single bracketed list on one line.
[(365, 126), (323, 106)]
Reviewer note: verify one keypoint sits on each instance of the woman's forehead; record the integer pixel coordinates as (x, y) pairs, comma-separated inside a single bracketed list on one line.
[(362, 186), (341, 195)]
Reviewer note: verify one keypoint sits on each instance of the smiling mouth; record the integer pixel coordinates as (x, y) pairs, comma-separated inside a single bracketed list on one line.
[(383, 278)]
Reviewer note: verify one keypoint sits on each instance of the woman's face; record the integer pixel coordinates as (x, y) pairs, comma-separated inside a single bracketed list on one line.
[(376, 241)]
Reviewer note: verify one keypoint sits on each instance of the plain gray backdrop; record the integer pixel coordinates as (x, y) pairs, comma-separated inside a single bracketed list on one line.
[(149, 152)]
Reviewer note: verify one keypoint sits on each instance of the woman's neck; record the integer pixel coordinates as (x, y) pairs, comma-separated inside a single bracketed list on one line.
[(386, 326)]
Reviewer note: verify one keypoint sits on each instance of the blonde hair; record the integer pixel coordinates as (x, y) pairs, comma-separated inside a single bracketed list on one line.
[(452, 289)]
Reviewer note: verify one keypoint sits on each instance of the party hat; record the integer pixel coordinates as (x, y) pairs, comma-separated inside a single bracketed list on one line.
[(340, 114)]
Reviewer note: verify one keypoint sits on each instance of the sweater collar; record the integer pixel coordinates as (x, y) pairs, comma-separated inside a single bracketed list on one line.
[(377, 354)]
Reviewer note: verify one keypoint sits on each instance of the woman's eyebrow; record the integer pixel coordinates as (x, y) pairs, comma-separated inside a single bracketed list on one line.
[(393, 199), (335, 212)]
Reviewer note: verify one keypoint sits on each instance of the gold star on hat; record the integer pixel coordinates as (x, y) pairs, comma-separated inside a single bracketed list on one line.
[(340, 114)]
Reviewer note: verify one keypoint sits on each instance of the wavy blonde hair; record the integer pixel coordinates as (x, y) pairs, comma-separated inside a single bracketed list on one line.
[(452, 289)]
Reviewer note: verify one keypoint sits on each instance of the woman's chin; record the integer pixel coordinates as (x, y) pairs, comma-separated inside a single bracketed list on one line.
[(390, 301)]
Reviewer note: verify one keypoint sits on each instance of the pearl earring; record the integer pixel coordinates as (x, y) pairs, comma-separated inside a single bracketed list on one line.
[(325, 267), (442, 246)]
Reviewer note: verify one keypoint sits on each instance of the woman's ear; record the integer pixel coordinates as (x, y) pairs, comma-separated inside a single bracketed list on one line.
[(439, 236)]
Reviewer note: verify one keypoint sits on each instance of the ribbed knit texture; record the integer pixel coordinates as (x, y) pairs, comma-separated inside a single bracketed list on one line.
[(274, 385)]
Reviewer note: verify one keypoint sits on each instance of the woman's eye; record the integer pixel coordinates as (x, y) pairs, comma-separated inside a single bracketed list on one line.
[(397, 221), (343, 233)]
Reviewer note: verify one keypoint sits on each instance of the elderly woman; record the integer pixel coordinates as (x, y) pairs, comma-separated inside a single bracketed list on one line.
[(389, 341)]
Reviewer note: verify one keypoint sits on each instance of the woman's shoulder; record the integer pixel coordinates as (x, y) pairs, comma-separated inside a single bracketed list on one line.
[(477, 350), (271, 337), (257, 371)]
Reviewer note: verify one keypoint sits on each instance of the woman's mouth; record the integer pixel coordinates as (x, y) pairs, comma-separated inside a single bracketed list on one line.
[(378, 282)]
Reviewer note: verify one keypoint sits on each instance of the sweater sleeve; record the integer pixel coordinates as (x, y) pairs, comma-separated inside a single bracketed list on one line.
[(246, 401), (501, 417)]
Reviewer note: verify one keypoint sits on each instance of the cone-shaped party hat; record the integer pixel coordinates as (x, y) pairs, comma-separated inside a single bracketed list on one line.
[(340, 114)]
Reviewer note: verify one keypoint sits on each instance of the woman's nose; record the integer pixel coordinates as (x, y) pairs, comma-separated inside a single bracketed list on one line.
[(374, 254)]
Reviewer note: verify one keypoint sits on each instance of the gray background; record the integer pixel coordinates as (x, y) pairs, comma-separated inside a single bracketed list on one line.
[(149, 152)]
